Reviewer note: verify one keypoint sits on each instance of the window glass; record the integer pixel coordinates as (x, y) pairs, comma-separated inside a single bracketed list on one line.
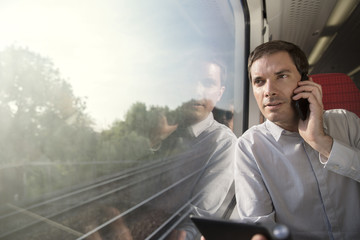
[(93, 95)]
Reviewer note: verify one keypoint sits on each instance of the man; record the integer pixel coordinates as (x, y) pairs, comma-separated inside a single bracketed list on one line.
[(225, 117), (197, 155), (301, 173), (204, 148)]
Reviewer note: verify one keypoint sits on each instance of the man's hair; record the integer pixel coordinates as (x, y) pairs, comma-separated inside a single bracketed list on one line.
[(207, 55), (223, 72), (268, 48)]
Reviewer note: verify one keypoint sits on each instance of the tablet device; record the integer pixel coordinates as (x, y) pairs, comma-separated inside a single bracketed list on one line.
[(219, 229)]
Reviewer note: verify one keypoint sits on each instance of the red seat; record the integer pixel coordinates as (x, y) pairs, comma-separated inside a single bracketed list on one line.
[(339, 91)]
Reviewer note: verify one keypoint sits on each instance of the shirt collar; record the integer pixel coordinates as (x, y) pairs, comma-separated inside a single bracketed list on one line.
[(274, 129), (199, 127), (278, 131)]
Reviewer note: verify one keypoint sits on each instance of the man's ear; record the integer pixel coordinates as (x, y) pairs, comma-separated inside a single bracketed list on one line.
[(221, 92)]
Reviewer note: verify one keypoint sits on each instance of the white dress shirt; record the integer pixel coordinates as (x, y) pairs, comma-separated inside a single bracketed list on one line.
[(280, 178), (211, 147), (214, 181)]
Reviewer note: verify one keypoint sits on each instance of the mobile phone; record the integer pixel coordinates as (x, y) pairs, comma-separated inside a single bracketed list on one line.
[(220, 229), (302, 105)]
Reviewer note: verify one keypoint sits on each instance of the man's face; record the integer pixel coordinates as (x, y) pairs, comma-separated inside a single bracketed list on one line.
[(207, 90), (274, 78)]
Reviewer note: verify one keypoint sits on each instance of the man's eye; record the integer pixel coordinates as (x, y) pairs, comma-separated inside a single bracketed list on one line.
[(282, 76), (208, 82), (257, 81)]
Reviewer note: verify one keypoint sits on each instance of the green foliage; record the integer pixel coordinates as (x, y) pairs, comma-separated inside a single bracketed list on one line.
[(37, 107), (130, 139), (46, 139), (41, 121)]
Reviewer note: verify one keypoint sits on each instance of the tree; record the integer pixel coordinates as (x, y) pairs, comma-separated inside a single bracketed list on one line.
[(41, 119), (131, 139), (35, 104)]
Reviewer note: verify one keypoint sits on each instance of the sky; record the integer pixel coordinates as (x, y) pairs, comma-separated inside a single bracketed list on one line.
[(113, 53)]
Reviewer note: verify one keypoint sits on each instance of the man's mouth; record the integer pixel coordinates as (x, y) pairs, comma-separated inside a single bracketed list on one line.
[(273, 105), (198, 104)]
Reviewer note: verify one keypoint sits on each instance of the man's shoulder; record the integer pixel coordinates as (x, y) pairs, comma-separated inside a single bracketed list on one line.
[(258, 135), (220, 130), (258, 129), (340, 119), (339, 114)]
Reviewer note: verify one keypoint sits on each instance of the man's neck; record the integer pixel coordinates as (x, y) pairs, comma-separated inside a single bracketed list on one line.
[(289, 126)]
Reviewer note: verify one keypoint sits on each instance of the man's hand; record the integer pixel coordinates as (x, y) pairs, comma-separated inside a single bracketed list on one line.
[(258, 237), (177, 235), (255, 237), (161, 131), (311, 130)]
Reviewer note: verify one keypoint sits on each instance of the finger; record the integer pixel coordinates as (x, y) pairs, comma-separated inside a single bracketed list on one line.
[(314, 89), (258, 237), (307, 94), (312, 98), (309, 81), (308, 86)]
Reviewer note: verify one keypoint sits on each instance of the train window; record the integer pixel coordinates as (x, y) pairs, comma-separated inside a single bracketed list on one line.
[(91, 93)]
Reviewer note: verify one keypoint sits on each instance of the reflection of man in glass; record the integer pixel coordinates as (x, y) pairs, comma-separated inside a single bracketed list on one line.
[(204, 148), (225, 117), (203, 85), (207, 79)]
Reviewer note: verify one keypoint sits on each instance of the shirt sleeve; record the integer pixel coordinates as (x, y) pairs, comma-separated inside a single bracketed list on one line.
[(215, 181), (253, 200), (344, 159)]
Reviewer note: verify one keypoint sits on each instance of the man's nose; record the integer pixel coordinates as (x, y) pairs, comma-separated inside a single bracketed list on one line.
[(198, 91), (270, 88)]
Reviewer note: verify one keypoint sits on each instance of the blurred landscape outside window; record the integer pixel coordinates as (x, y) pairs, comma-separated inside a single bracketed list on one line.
[(83, 87)]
